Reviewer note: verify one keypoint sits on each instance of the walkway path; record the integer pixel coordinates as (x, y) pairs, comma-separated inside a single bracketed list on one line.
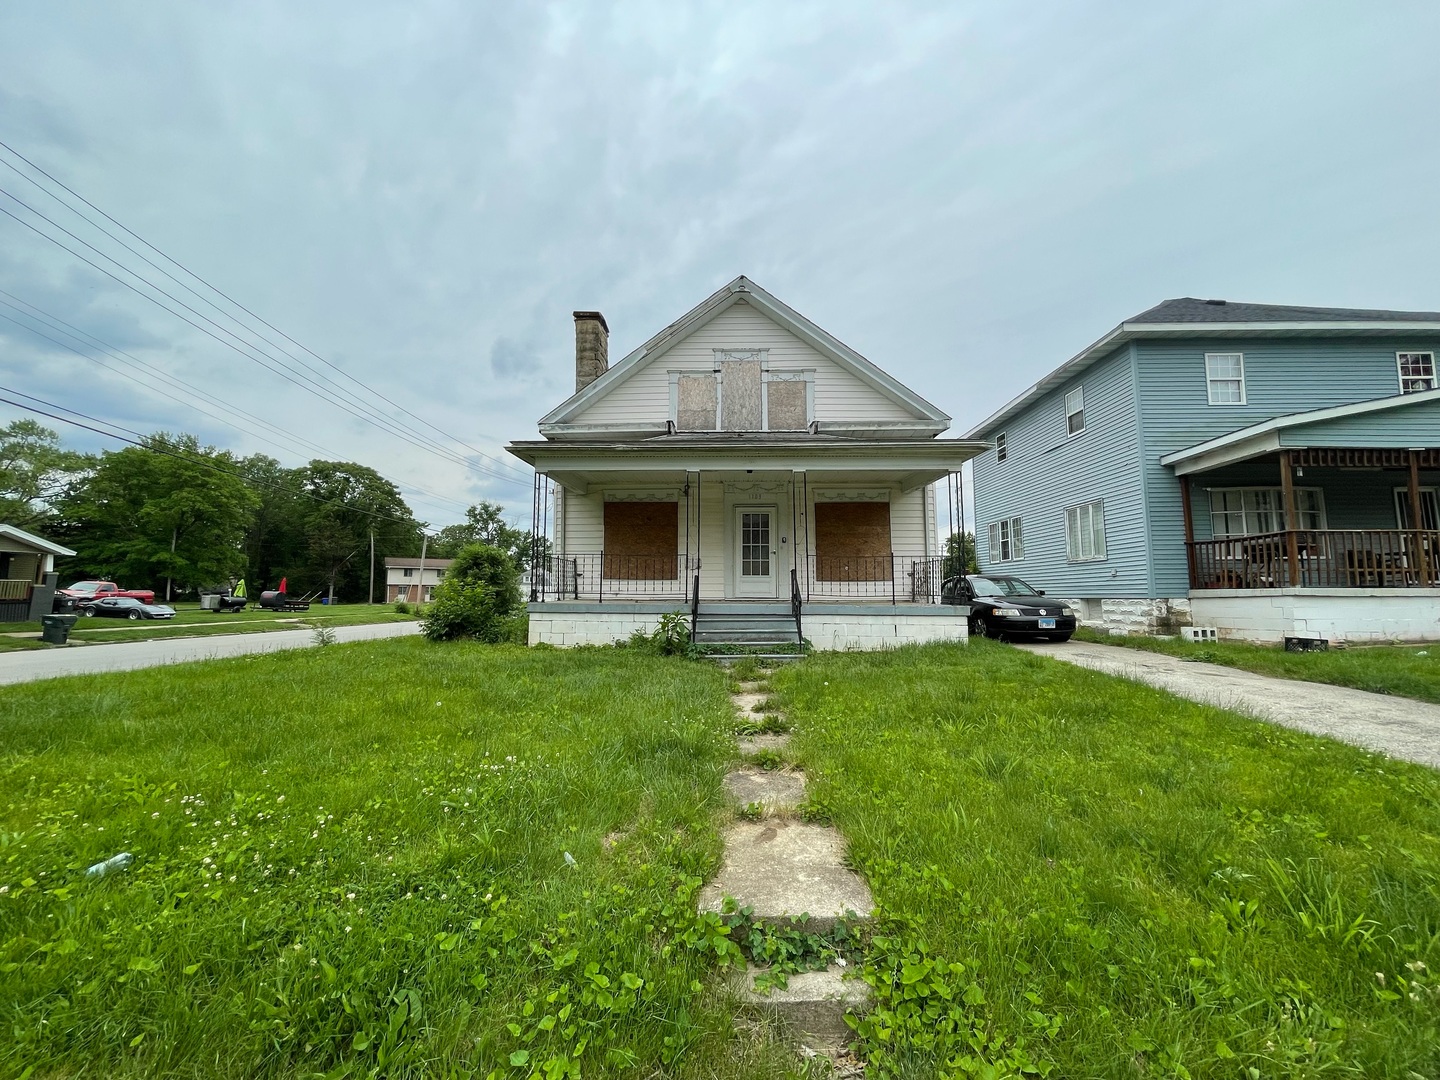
[(1401, 727), (18, 667), (780, 868)]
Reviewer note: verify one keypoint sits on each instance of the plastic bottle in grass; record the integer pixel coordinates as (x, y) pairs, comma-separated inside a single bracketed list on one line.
[(112, 865)]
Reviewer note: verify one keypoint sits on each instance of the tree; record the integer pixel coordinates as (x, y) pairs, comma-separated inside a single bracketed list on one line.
[(275, 541), (484, 524), (480, 594), (959, 555), (347, 503), (168, 510), (35, 472)]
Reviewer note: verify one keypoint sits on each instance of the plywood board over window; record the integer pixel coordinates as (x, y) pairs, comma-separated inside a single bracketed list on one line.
[(740, 395), (852, 541), (785, 404), (698, 401), (642, 541)]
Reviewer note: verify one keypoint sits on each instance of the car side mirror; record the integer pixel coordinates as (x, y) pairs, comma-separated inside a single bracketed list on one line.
[(1039, 592)]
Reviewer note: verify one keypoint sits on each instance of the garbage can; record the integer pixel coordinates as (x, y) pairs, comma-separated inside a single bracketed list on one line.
[(56, 628)]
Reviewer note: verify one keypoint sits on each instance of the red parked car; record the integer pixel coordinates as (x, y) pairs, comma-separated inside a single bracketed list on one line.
[(83, 592)]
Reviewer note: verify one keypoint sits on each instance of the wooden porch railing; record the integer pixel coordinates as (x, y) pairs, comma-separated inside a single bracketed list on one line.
[(15, 588), (1318, 558)]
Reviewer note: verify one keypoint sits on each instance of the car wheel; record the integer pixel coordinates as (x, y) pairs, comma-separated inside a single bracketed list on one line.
[(89, 613), (982, 628), (134, 616)]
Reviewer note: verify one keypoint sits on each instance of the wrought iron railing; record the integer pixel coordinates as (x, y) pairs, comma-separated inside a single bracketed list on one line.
[(601, 577), (1318, 558), (797, 605)]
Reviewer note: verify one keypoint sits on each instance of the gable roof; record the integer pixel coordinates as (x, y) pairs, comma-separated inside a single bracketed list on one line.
[(1267, 436), (743, 289), (1187, 316), (36, 542)]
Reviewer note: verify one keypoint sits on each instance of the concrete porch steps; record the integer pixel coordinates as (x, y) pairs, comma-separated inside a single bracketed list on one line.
[(782, 868), (745, 624)]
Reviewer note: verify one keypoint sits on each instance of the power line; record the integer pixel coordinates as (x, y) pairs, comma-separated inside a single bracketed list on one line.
[(202, 462), (235, 303), (316, 390), (86, 338)]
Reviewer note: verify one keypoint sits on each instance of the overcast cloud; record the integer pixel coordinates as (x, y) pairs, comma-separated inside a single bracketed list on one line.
[(422, 193)]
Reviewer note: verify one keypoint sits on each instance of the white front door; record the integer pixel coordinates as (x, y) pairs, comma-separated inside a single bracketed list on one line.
[(756, 550)]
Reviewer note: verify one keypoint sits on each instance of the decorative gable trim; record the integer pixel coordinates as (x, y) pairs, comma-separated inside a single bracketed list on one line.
[(742, 290)]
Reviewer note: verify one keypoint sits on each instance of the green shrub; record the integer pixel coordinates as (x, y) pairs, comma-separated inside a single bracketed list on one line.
[(402, 606), (479, 598)]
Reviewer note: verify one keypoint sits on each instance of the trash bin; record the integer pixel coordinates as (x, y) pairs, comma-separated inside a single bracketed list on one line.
[(210, 602), (56, 628)]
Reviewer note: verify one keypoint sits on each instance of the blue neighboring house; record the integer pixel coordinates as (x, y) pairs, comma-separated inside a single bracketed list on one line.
[(1269, 471)]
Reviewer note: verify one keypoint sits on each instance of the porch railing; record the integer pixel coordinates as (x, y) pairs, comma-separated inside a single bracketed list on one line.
[(599, 576), (1318, 558), (15, 588)]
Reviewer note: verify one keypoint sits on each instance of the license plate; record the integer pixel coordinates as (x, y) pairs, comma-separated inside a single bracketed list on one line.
[(1047, 624)]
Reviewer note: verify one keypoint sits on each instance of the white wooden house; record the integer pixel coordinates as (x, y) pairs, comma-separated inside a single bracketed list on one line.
[(747, 468)]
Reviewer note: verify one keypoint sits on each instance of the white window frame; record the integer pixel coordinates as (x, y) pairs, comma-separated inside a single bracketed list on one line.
[(1001, 450), (1212, 380), (1402, 505), (407, 571), (722, 356), (1079, 395), (1250, 510), (1086, 516), (1006, 541), (1407, 354)]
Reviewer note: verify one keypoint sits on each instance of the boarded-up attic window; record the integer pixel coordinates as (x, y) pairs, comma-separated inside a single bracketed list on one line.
[(740, 395), (852, 541), (642, 541), (696, 407), (785, 404)]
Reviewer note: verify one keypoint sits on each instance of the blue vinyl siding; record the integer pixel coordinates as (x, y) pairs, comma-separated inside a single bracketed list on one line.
[(1046, 471), (1281, 377), (1415, 424)]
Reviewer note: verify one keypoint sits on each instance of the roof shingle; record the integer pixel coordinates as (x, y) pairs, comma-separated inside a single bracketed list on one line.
[(1187, 309)]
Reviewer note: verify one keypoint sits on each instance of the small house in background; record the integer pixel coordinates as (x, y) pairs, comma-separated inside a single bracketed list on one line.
[(1267, 471), (403, 580), (27, 574)]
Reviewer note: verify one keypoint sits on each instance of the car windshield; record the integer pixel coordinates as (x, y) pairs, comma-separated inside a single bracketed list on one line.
[(85, 586), (1001, 586)]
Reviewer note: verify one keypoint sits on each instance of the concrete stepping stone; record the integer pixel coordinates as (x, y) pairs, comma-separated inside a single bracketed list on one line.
[(782, 869), (745, 703), (774, 789), (812, 1006), (756, 744)]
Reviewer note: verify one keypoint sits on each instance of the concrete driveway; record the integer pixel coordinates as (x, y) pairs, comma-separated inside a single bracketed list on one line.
[(18, 667), (1400, 727)]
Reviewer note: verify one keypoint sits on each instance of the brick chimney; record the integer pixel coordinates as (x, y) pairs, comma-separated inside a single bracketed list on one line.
[(592, 348)]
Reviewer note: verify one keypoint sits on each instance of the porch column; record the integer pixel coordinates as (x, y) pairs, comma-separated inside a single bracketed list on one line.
[(1416, 523), (1189, 528), (1287, 486)]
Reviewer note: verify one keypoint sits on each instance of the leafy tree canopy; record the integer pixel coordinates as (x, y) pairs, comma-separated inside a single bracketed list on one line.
[(346, 503), (34, 472)]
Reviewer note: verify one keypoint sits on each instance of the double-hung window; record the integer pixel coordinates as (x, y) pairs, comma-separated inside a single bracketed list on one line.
[(1085, 532), (1255, 510), (1225, 378), (1001, 451), (1006, 543), (1417, 371), (1075, 411)]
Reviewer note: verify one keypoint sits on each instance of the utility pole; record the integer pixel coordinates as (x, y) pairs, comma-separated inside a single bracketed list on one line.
[(174, 536), (420, 587), (370, 596)]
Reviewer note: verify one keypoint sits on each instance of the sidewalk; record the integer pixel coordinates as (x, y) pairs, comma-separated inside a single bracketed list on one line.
[(18, 667), (1400, 727)]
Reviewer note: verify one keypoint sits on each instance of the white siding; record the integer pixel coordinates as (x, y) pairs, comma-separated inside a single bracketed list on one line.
[(645, 395)]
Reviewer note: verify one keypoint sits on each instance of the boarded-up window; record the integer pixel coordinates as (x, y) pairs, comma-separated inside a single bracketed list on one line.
[(695, 409), (740, 395), (785, 404), (642, 541), (852, 541)]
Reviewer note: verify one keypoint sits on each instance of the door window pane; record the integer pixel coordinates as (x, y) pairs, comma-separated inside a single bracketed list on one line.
[(755, 545)]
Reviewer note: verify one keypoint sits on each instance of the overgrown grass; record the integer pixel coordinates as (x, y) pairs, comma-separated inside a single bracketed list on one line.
[(1406, 671), (389, 859), (101, 630), (1085, 875)]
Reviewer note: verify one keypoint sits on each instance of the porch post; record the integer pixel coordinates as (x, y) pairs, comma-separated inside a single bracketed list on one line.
[(1292, 548), (1416, 524), (1189, 528)]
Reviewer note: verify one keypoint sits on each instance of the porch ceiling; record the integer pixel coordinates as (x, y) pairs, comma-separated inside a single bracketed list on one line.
[(747, 454), (582, 481)]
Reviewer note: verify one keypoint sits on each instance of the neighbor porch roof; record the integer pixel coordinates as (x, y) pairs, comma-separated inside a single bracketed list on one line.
[(10, 532), (1320, 427)]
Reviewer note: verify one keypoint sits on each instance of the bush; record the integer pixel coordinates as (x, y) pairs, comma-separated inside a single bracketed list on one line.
[(479, 598), (402, 606)]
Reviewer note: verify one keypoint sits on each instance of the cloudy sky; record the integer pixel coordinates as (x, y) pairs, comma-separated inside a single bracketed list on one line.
[(421, 193)]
